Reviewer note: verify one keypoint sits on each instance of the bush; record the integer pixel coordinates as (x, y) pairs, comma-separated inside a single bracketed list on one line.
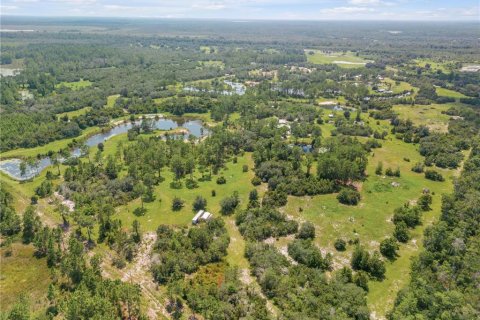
[(256, 181), (401, 232), (214, 193), (200, 203), (349, 197), (379, 169), (245, 168), (425, 201), (418, 167), (389, 247), (340, 245), (177, 204), (307, 231), (229, 204), (191, 184), (176, 184), (139, 211), (433, 175), (221, 180)]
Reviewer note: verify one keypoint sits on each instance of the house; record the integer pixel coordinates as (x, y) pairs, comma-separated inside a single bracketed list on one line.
[(201, 215)]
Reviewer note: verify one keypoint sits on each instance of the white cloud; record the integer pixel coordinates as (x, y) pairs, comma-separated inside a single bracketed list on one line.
[(363, 2), (7, 8), (347, 10)]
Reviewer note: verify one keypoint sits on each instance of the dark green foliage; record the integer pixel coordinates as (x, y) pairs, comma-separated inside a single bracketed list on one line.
[(306, 253), (177, 204), (45, 189), (229, 204), (389, 247), (221, 180), (225, 299), (200, 203), (183, 251), (262, 223), (340, 245), (425, 201), (418, 167), (31, 224), (306, 231), (287, 286), (434, 175), (401, 232), (349, 197), (372, 264), (9, 220), (443, 281), (379, 169), (410, 215)]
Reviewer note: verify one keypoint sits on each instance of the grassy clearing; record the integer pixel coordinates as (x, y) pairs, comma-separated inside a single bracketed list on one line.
[(75, 113), (434, 65), (344, 60), (212, 63), (75, 85), (449, 93), (397, 86), (428, 115), (22, 273), (111, 100)]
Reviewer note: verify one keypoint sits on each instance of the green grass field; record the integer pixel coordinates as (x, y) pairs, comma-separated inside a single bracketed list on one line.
[(449, 93), (75, 85), (344, 60), (111, 100), (428, 115), (76, 113), (22, 273), (212, 63)]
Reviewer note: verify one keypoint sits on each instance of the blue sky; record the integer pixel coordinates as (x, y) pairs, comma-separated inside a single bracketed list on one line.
[(435, 10)]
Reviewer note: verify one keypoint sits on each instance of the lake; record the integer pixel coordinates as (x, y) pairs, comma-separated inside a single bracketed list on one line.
[(195, 127)]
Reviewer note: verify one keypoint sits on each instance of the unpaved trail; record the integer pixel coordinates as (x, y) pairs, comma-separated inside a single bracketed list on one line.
[(139, 273)]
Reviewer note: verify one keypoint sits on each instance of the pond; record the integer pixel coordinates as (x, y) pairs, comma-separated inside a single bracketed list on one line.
[(194, 127)]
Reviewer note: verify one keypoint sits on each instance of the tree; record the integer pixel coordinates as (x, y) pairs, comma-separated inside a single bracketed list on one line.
[(177, 204), (306, 231), (401, 232), (379, 169), (23, 168), (200, 203), (340, 245), (389, 247), (31, 224), (361, 279), (229, 204), (101, 146), (348, 196), (136, 234), (425, 201)]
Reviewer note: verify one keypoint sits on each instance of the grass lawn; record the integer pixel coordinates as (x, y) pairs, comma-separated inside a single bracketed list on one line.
[(75, 113), (398, 88), (22, 273), (449, 93), (111, 100), (76, 85), (344, 60), (428, 115), (212, 63)]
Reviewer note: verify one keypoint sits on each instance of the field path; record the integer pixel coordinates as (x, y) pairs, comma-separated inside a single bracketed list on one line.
[(139, 273)]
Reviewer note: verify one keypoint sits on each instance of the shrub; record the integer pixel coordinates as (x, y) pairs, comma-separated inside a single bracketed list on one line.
[(245, 168), (200, 203), (221, 180), (349, 197), (340, 245), (306, 231), (229, 204), (176, 184), (191, 184), (389, 247), (418, 167), (256, 181), (401, 232), (177, 204), (214, 193), (434, 175), (139, 211), (379, 169)]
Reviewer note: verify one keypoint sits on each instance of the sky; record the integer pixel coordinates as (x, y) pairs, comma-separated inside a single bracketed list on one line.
[(432, 10)]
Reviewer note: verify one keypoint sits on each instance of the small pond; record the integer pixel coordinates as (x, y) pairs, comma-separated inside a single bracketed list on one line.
[(194, 127)]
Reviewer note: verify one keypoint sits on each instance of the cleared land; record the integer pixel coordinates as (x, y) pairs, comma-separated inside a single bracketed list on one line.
[(344, 60), (75, 85)]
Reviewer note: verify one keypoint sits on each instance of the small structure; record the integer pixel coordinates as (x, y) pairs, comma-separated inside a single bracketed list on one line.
[(201, 216)]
